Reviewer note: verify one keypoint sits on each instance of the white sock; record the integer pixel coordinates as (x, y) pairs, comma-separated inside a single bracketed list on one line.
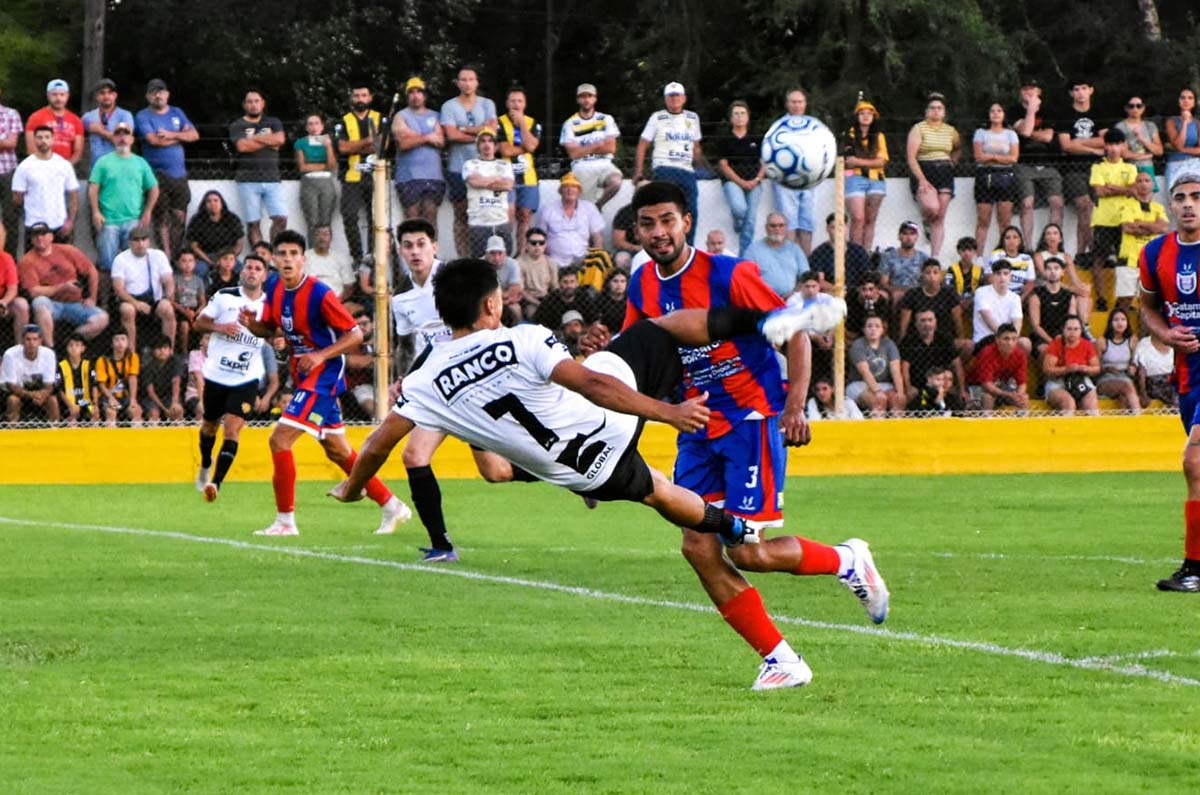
[(288, 518), (783, 653), (845, 559)]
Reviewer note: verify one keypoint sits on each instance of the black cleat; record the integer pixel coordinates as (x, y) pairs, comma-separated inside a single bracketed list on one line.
[(1182, 581)]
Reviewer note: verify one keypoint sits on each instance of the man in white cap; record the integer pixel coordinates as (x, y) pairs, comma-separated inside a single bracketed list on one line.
[(67, 127), (509, 273), (675, 136), (590, 138), (570, 330)]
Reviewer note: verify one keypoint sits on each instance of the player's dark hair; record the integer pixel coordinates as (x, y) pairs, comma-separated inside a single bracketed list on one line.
[(416, 226), (659, 193), (289, 236), (256, 258), (45, 127), (965, 243), (460, 288), (1114, 136)]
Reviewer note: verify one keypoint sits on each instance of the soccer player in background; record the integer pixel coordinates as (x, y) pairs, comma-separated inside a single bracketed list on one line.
[(518, 392), (1171, 313), (232, 370), (320, 331), (738, 460)]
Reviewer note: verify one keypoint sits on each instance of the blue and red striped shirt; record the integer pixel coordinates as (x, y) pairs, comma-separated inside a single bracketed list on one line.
[(312, 318), (1168, 269), (741, 375)]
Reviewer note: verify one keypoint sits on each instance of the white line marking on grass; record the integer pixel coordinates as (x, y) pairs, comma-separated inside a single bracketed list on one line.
[(1105, 664), (1068, 558)]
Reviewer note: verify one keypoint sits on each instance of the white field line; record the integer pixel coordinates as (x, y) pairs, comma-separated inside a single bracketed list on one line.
[(1112, 665)]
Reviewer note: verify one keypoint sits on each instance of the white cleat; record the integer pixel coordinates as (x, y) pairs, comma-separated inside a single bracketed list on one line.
[(773, 675), (278, 528), (202, 478), (394, 512), (780, 325), (864, 580)]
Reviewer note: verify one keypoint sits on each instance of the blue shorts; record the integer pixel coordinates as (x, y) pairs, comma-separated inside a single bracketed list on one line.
[(74, 313), (796, 206), (527, 197), (316, 414), (861, 186), (254, 194), (742, 470), (456, 187), (1189, 410)]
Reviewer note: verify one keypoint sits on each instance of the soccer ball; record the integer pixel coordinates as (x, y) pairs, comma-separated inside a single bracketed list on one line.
[(799, 152)]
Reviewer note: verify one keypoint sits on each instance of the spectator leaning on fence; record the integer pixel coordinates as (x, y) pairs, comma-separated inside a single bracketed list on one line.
[(1040, 182), (317, 164), (419, 141), (865, 148), (163, 130), (590, 139), (742, 172), (257, 139), (28, 375), (122, 192)]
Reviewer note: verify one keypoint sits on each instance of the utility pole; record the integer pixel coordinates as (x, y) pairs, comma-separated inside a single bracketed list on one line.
[(93, 49)]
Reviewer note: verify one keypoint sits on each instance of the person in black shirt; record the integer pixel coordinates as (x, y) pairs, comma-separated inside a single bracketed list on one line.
[(858, 261), (867, 301), (928, 346), (742, 170), (1049, 306), (213, 228), (1081, 139), (256, 139), (568, 295), (1040, 181), (932, 293), (624, 232)]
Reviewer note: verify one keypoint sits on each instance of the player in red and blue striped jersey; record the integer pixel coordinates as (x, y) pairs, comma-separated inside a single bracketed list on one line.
[(1169, 266), (320, 331), (739, 460)]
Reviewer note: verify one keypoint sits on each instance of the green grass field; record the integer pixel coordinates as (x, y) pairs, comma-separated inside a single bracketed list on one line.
[(149, 643)]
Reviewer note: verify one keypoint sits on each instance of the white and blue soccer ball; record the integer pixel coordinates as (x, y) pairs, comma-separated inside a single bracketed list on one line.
[(799, 152)]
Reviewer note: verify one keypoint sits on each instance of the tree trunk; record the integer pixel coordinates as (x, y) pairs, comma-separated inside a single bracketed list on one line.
[(93, 49), (1151, 27)]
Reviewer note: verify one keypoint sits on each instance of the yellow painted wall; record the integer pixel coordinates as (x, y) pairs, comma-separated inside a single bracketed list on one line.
[(930, 446)]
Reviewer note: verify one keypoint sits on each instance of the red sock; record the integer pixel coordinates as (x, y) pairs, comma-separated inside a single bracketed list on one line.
[(376, 490), (817, 558), (284, 480), (1191, 541), (746, 614)]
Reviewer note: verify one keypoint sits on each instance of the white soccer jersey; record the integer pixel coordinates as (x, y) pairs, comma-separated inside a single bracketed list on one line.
[(673, 136), (414, 312), (232, 361), (487, 207), (586, 132), (492, 389)]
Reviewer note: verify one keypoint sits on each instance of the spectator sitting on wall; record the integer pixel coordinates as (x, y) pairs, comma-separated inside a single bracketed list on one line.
[(539, 274), (75, 381), (1070, 363), (901, 266), (879, 382), (162, 384), (821, 405), (145, 286), (28, 374), (62, 285), (572, 224), (998, 374), (117, 380), (213, 229), (928, 347)]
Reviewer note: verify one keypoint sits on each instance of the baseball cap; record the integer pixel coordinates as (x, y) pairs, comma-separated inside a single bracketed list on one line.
[(39, 229), (57, 84), (155, 85), (485, 131), (139, 233), (909, 226), (673, 88), (414, 82), (585, 88), (1031, 82), (496, 243), (569, 179), (570, 315), (105, 83)]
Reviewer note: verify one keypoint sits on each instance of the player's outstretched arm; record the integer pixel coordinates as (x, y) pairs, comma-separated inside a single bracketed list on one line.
[(374, 452), (610, 393), (249, 318)]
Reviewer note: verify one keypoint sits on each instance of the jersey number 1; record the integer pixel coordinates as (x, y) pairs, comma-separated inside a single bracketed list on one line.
[(574, 455)]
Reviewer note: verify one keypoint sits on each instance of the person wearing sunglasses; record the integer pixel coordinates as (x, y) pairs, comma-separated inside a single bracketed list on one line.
[(539, 275), (1142, 140)]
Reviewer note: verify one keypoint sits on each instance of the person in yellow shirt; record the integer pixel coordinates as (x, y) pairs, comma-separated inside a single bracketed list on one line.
[(1141, 221), (1112, 179)]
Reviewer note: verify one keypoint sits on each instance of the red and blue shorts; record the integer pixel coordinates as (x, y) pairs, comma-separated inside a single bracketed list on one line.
[(743, 471), (316, 414)]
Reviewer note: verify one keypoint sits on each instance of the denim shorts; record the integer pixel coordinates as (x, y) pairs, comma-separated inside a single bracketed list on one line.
[(861, 186), (254, 194)]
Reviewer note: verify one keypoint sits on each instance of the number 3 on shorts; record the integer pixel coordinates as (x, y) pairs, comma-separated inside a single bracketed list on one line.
[(753, 481)]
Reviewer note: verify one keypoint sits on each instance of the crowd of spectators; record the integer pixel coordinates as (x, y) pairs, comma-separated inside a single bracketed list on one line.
[(922, 335)]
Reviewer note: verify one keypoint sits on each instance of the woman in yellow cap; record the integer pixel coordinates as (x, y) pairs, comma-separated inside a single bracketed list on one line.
[(866, 155)]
